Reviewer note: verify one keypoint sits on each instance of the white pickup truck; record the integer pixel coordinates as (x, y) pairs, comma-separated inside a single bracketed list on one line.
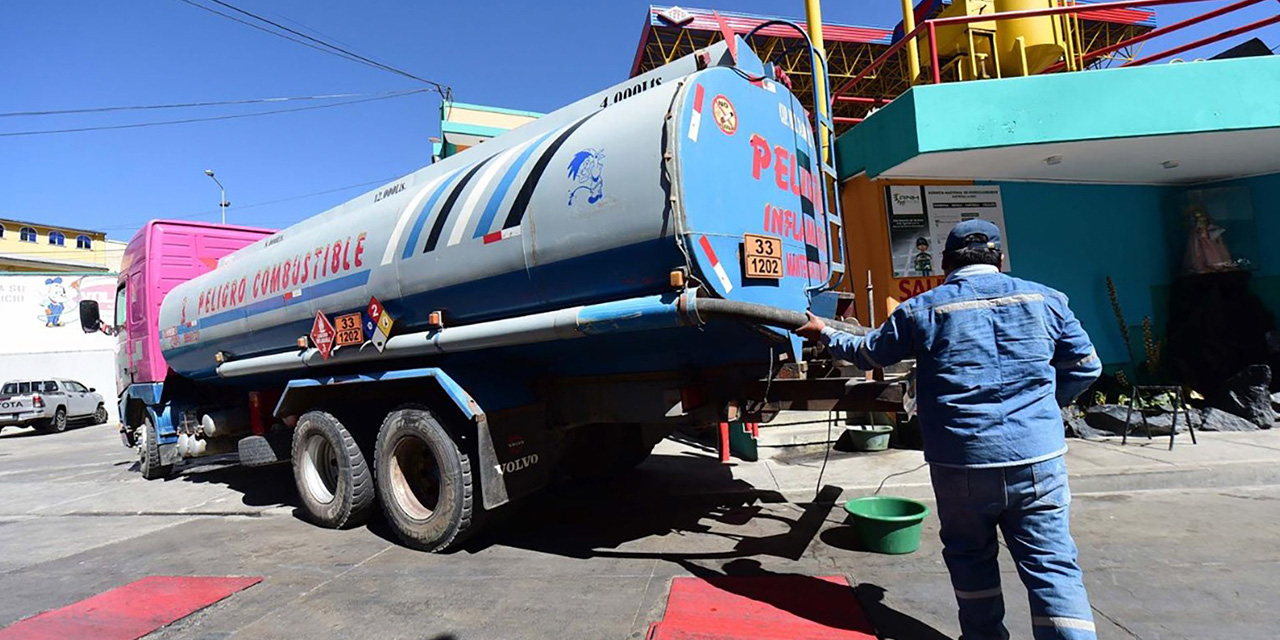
[(49, 404)]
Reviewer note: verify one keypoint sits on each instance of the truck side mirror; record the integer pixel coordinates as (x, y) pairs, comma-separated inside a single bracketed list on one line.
[(90, 317)]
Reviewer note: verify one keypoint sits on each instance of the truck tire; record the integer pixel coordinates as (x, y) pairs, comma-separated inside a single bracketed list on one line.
[(56, 424), (424, 480), (330, 471), (149, 454), (100, 415)]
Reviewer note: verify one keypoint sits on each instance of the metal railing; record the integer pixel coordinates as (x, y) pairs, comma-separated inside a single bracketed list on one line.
[(1074, 56)]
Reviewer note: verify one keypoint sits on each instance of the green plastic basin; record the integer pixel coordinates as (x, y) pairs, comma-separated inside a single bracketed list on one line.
[(869, 438), (885, 524)]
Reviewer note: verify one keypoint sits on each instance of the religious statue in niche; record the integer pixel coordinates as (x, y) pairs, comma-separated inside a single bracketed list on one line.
[(1207, 250)]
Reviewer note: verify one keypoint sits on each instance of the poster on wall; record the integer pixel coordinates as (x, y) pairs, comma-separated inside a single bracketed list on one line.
[(920, 217), (909, 232), (40, 313)]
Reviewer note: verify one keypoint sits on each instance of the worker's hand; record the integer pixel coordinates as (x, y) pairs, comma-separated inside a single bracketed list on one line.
[(811, 330)]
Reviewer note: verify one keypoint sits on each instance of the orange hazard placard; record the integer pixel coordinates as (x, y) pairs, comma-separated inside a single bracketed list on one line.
[(762, 256), (349, 330)]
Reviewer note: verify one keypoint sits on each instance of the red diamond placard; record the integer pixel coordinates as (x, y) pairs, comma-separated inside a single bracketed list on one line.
[(375, 310), (322, 335)]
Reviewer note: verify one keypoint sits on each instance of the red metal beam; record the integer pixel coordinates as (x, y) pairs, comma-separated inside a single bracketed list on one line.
[(875, 64), (847, 120), (1092, 55), (1203, 41), (1083, 9), (862, 100)]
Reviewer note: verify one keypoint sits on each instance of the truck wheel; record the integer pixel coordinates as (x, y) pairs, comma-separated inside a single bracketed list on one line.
[(149, 454), (56, 424), (100, 415), (330, 471), (424, 480)]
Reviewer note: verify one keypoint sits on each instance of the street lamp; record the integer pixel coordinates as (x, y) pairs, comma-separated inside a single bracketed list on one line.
[(222, 202)]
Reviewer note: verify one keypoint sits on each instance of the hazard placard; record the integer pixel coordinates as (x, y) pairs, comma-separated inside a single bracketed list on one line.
[(381, 322), (349, 330), (322, 335), (762, 256)]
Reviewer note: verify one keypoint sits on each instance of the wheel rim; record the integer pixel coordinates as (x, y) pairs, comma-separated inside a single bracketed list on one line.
[(60, 420), (141, 438), (415, 478), (320, 469), (100, 416)]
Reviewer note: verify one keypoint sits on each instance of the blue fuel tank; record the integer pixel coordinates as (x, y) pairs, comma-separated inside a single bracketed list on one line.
[(598, 201)]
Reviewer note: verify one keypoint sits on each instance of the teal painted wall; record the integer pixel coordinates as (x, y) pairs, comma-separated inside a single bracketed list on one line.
[(1150, 100), (1071, 237), (1264, 192)]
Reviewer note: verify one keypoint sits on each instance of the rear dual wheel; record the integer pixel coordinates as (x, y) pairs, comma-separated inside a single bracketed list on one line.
[(424, 480), (330, 471)]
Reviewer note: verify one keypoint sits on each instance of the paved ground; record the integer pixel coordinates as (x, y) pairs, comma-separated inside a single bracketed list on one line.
[(1177, 544)]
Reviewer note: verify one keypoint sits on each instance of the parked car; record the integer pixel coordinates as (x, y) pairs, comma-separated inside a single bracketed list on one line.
[(49, 404)]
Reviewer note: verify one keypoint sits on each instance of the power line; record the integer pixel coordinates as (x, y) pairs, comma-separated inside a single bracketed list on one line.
[(136, 125), (183, 105), (197, 214), (438, 87), (323, 46)]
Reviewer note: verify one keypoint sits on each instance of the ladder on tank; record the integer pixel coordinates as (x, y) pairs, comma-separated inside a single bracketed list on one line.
[(825, 143)]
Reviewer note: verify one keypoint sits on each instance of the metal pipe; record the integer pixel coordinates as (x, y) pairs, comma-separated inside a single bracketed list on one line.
[(637, 314), (933, 52), (909, 26), (862, 100), (1159, 31), (813, 19), (1203, 41)]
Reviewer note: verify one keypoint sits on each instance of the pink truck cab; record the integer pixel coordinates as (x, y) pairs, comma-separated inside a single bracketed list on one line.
[(162, 255)]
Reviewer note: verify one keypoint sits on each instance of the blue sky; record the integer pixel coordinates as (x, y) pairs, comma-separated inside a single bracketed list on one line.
[(89, 53)]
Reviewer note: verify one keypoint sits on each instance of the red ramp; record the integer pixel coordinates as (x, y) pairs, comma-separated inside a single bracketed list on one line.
[(130, 611), (773, 607)]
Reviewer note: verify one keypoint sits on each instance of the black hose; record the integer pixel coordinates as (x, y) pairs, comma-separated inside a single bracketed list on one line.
[(765, 314)]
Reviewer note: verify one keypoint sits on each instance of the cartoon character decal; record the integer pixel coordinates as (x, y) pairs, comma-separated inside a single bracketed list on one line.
[(585, 169), (55, 301), (923, 259)]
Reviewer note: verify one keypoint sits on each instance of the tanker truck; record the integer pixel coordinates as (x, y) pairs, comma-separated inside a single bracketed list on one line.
[(549, 303)]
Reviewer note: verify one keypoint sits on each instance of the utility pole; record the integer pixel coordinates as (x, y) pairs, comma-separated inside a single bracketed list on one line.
[(222, 198)]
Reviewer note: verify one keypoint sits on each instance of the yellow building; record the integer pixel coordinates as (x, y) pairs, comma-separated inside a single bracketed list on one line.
[(465, 125), (27, 247)]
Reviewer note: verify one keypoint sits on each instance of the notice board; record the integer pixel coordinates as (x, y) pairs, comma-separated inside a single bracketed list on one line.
[(920, 217)]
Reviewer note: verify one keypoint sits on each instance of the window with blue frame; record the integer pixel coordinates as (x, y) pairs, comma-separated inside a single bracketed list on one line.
[(84, 242), (27, 234), (56, 238)]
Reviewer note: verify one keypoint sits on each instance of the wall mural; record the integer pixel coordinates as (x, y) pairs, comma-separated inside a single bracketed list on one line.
[(40, 313)]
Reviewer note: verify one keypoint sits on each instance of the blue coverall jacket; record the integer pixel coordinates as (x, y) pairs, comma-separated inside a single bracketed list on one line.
[(996, 357)]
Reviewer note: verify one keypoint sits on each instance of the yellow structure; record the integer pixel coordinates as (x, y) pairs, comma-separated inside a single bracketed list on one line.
[(27, 247), (465, 125), (1000, 48)]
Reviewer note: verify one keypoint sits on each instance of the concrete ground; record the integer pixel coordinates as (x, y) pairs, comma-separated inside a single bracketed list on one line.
[(1177, 544)]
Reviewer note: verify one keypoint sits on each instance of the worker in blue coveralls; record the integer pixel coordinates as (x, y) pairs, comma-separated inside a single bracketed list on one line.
[(995, 358)]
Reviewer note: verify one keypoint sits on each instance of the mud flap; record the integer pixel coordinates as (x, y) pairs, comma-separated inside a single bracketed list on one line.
[(513, 462)]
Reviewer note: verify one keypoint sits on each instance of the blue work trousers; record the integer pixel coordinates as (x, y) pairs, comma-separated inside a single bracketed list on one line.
[(1029, 504)]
